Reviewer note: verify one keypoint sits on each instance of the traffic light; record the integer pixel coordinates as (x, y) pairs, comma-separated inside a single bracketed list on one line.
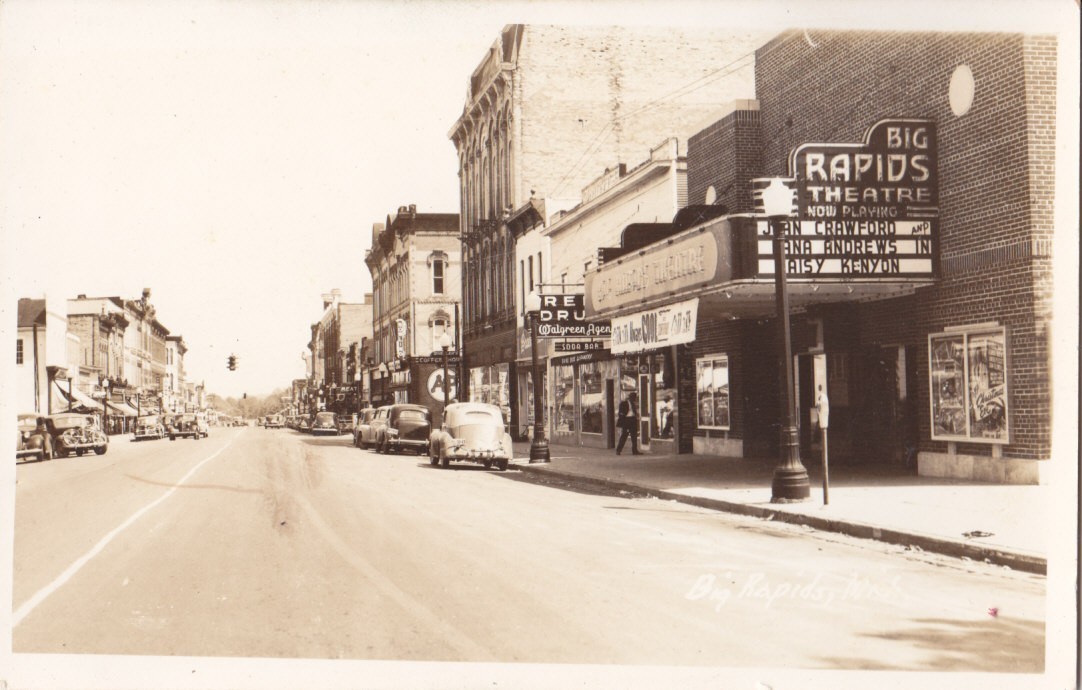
[(232, 363)]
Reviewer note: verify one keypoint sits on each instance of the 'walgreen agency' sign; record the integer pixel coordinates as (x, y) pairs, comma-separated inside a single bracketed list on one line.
[(865, 211)]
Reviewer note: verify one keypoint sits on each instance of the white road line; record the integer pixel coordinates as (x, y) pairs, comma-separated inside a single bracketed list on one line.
[(44, 593)]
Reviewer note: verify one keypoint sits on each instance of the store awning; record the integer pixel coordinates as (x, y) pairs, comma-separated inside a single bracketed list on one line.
[(122, 409), (78, 398)]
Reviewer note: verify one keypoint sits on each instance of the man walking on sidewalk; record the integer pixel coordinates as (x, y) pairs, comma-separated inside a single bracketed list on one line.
[(627, 420)]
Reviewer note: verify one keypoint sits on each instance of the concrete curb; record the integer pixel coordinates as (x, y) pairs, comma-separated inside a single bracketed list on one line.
[(1026, 562)]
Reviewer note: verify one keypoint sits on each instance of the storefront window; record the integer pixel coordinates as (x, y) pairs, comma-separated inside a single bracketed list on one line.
[(968, 382), (565, 398), (712, 392), (591, 397), (489, 384), (663, 422)]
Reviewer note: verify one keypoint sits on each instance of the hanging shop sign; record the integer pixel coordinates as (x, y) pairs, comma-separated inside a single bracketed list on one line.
[(868, 210), (696, 259), (672, 324), (452, 358), (579, 345), (564, 316)]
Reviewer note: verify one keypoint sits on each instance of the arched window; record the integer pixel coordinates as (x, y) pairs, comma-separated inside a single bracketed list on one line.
[(438, 324)]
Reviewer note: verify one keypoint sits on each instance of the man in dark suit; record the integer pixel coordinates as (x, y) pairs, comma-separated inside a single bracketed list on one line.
[(628, 421)]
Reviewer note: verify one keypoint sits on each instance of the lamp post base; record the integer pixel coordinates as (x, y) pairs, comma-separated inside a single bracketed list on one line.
[(790, 486), (539, 451), (791, 483)]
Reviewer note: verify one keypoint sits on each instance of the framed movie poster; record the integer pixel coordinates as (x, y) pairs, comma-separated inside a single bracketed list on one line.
[(968, 384), (712, 392)]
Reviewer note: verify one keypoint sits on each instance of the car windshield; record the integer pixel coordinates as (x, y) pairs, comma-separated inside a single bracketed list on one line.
[(413, 416), (325, 417), (149, 420), (74, 422)]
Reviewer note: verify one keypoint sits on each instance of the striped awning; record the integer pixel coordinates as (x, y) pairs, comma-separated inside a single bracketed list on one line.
[(77, 398)]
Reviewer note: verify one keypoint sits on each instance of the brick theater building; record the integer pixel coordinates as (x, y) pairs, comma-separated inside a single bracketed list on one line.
[(919, 259)]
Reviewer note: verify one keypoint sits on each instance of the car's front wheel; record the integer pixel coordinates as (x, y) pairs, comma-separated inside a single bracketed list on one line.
[(100, 450), (502, 466)]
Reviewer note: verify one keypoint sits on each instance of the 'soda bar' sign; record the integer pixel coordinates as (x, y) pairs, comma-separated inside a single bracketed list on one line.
[(864, 210), (564, 316)]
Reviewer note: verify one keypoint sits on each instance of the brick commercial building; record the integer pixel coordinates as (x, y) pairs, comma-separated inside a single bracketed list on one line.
[(416, 283), (919, 259)]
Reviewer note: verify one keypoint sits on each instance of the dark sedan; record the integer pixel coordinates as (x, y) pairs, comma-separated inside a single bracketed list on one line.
[(324, 423), (408, 427)]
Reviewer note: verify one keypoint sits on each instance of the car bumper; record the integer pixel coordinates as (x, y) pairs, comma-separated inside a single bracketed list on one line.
[(69, 447), (407, 443), (477, 455)]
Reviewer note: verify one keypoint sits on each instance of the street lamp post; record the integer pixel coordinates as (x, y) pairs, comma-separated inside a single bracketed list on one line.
[(445, 345), (790, 482), (539, 447), (105, 406)]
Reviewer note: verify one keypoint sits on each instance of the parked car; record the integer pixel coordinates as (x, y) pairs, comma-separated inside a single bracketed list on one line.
[(148, 426), (33, 439), (471, 432), (362, 431), (273, 421), (303, 424), (324, 423), (407, 427), (187, 425), (71, 432), (345, 424)]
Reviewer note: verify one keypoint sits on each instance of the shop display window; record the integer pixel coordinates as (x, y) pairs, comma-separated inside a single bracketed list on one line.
[(591, 397), (564, 388), (712, 392), (968, 385)]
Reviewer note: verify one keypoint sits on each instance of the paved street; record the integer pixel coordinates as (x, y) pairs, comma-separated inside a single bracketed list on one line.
[(271, 543)]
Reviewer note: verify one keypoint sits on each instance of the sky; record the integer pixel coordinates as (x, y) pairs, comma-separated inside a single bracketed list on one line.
[(233, 156)]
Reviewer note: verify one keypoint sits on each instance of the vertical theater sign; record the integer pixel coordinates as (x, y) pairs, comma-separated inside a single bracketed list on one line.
[(865, 211)]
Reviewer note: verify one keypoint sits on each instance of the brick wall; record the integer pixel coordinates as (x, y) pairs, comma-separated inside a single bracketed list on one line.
[(725, 156), (996, 183), (591, 97)]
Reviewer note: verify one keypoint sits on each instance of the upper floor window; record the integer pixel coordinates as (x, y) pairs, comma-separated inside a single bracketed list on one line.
[(438, 268)]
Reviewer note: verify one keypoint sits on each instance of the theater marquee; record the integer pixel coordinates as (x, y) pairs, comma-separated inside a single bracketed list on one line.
[(866, 210)]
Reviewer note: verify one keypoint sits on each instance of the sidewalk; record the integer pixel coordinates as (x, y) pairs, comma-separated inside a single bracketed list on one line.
[(1006, 523)]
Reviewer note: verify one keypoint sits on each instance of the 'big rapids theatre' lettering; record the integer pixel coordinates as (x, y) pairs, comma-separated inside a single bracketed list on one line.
[(866, 209)]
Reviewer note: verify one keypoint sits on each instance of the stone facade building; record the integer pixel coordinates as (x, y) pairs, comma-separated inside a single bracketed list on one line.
[(416, 281), (548, 108)]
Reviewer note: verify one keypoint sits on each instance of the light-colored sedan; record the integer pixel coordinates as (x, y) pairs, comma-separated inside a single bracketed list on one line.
[(362, 432), (471, 432)]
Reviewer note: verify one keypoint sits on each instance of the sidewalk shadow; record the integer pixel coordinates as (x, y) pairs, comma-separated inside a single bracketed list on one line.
[(996, 645)]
